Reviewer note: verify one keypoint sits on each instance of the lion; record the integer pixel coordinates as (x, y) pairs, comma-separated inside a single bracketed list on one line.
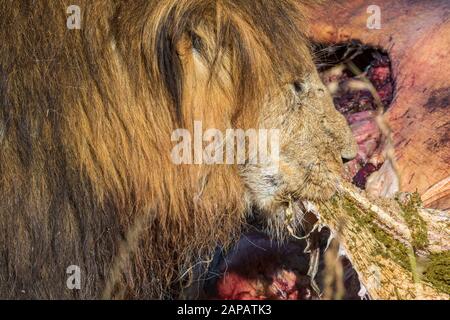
[(86, 177)]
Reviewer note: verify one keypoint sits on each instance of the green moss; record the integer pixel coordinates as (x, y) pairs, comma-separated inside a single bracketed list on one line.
[(438, 267), (437, 271), (389, 247), (418, 227)]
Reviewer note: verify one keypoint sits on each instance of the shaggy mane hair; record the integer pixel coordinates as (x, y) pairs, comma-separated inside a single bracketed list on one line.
[(86, 118)]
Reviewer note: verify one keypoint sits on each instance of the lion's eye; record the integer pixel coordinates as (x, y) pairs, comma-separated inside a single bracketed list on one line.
[(197, 43), (298, 87)]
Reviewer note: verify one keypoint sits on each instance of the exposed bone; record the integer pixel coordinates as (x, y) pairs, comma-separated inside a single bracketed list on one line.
[(384, 182)]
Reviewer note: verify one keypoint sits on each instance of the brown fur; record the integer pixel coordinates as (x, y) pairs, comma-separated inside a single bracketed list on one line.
[(85, 137)]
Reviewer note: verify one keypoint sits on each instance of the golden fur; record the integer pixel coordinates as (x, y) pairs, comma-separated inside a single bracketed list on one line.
[(86, 118)]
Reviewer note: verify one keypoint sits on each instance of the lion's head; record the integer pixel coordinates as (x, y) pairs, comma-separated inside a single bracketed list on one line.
[(87, 118), (244, 65)]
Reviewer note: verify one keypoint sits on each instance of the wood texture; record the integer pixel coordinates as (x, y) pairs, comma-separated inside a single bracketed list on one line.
[(382, 246)]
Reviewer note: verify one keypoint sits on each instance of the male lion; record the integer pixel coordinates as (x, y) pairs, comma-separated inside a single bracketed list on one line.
[(86, 177)]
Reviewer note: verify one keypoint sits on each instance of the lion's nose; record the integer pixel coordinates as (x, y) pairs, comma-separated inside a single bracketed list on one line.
[(345, 160), (350, 150), (349, 155)]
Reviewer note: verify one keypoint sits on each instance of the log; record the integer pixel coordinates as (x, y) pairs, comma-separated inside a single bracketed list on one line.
[(399, 250)]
